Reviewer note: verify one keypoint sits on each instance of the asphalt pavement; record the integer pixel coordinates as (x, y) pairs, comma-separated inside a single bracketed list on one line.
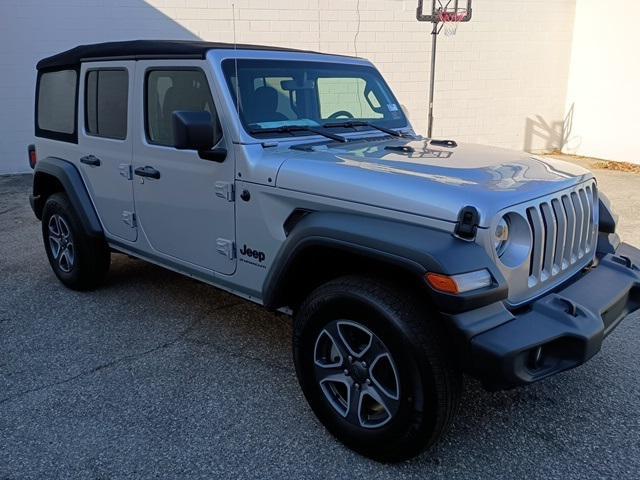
[(158, 376)]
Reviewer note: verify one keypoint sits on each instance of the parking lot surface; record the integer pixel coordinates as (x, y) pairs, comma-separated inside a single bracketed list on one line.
[(156, 375)]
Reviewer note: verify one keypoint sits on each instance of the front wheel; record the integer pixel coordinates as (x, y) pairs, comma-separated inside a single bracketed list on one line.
[(374, 367)]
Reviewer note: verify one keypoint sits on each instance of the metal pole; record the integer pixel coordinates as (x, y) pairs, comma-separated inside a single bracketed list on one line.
[(434, 38)]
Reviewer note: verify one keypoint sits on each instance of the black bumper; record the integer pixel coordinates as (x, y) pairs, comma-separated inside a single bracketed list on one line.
[(557, 332)]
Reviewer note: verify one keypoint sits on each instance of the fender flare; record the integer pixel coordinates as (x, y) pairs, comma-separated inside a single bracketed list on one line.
[(69, 177), (414, 248)]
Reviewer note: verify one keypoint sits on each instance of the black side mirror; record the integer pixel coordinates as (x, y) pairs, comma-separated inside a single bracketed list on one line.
[(192, 130), (195, 131)]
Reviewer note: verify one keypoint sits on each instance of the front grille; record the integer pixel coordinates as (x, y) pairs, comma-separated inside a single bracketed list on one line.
[(563, 233)]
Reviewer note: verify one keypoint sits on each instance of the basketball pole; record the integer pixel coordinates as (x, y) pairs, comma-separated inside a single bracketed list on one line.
[(432, 82)]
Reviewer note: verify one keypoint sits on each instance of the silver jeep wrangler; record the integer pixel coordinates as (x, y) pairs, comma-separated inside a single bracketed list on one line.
[(293, 179)]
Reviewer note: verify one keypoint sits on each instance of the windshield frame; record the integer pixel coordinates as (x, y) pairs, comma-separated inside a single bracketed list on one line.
[(227, 68)]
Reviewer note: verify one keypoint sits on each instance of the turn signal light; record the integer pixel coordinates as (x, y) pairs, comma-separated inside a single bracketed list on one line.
[(442, 283), (455, 284)]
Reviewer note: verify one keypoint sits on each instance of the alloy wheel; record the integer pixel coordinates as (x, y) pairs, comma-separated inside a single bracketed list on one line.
[(357, 374), (61, 243)]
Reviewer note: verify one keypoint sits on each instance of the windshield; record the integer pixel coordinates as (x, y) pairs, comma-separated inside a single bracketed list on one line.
[(276, 94)]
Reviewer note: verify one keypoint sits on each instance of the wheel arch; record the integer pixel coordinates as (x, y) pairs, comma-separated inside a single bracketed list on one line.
[(53, 175), (322, 246)]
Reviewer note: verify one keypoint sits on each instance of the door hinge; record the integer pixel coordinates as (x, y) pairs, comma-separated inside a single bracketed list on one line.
[(129, 218), (225, 190), (226, 247), (125, 171)]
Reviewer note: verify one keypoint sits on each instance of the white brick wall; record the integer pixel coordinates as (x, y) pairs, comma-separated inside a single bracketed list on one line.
[(501, 81)]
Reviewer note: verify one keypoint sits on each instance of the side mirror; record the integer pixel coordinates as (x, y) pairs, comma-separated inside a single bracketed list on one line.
[(192, 130), (195, 131)]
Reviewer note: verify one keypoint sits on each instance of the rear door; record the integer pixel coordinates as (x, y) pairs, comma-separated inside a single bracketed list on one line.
[(105, 142)]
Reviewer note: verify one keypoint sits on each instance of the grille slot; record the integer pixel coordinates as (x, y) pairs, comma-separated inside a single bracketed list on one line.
[(562, 231)]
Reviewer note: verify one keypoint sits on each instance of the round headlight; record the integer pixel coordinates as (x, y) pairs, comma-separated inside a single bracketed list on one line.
[(501, 236)]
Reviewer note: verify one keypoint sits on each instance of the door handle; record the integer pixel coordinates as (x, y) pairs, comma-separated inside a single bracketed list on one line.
[(90, 160), (147, 171)]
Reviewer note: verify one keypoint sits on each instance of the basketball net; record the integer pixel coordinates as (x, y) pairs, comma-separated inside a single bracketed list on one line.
[(451, 20)]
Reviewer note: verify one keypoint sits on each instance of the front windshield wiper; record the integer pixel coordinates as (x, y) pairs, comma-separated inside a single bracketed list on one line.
[(300, 128), (362, 123)]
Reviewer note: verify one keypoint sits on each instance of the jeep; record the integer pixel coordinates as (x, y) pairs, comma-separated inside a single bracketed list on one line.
[(294, 180)]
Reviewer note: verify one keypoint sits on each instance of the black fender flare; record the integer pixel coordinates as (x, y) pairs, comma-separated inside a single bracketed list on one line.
[(416, 249), (69, 177)]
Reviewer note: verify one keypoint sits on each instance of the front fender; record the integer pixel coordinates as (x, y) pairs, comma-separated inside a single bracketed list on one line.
[(414, 248)]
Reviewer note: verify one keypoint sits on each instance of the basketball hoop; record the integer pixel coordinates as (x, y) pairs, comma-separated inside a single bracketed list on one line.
[(447, 15), (450, 20)]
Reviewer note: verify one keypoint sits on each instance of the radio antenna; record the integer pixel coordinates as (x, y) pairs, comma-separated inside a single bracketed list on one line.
[(235, 61)]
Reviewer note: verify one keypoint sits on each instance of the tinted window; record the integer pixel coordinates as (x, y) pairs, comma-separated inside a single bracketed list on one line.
[(57, 101), (106, 103), (169, 91)]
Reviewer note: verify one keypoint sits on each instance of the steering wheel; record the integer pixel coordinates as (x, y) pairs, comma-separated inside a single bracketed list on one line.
[(339, 114)]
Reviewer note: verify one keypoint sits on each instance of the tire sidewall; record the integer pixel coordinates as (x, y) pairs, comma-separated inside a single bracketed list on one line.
[(417, 413)]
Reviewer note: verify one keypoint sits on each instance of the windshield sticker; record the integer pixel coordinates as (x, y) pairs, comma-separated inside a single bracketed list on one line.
[(392, 107)]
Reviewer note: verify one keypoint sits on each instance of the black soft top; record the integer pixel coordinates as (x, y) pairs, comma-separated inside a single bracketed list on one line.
[(144, 49)]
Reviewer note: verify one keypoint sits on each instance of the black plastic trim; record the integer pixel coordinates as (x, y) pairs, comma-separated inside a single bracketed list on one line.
[(415, 248), (608, 218), (568, 326), (69, 177)]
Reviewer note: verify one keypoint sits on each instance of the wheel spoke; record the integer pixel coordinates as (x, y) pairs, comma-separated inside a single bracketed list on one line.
[(54, 243), (389, 386), (334, 333), (382, 412), (64, 228), (355, 403), (337, 390), (375, 350), (356, 338)]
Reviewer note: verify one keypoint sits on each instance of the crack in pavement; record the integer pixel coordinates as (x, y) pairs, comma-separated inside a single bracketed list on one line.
[(117, 361)]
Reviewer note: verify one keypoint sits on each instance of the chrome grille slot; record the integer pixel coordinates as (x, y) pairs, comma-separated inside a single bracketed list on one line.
[(562, 232)]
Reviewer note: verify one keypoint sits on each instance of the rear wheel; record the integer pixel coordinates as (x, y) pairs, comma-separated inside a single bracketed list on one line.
[(374, 366), (80, 262)]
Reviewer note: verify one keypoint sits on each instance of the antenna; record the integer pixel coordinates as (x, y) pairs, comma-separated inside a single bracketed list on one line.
[(235, 49)]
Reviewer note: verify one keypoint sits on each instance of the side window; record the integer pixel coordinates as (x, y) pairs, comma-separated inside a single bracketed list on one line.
[(106, 98), (56, 111), (168, 91)]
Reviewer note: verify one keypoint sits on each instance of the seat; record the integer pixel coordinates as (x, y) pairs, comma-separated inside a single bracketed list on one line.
[(263, 106)]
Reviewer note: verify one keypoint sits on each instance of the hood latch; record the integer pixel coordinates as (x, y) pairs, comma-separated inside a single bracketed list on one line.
[(467, 226)]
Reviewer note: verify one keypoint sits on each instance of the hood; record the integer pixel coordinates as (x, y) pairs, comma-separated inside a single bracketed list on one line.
[(419, 178)]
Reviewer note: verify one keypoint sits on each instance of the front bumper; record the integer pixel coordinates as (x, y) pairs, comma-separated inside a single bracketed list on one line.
[(558, 331)]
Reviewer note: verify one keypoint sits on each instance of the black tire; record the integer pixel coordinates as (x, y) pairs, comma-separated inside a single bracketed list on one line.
[(80, 262), (428, 378)]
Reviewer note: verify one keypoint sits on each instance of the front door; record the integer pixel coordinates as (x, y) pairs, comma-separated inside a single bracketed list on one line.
[(105, 141), (184, 212)]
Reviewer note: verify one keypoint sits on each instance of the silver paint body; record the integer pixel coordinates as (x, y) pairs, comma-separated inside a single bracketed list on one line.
[(180, 218)]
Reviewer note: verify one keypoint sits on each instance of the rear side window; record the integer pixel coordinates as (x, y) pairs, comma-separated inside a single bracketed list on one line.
[(106, 98), (56, 107), (169, 91)]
